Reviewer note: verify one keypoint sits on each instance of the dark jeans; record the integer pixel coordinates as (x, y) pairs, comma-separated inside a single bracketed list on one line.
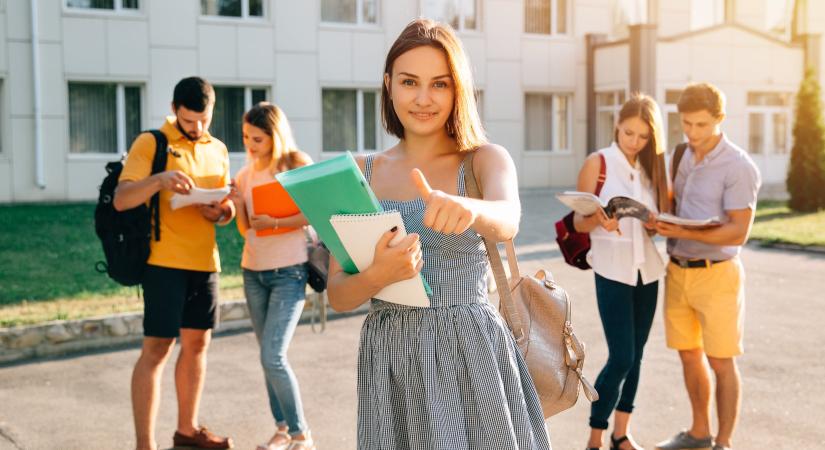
[(627, 314)]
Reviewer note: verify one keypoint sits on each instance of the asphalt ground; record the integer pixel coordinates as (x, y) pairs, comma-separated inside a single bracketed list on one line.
[(82, 402)]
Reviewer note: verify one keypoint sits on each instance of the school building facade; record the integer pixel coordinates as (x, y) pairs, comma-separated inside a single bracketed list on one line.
[(550, 74)]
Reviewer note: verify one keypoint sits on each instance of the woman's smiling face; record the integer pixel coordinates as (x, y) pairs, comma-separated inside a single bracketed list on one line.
[(422, 90)]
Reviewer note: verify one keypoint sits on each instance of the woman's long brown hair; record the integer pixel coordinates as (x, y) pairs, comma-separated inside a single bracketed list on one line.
[(652, 157), (464, 124)]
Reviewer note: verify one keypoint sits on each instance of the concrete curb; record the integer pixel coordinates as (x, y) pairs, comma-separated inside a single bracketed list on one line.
[(66, 337), (791, 247)]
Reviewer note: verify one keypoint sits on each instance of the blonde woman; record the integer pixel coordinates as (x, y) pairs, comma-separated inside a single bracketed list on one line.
[(274, 270)]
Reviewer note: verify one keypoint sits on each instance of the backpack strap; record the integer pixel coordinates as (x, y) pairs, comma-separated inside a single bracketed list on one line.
[(158, 166), (678, 153), (505, 298), (602, 175)]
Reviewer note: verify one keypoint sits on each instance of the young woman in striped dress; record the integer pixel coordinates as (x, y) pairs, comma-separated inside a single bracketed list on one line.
[(448, 376)]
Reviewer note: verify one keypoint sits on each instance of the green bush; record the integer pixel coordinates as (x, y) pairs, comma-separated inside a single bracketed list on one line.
[(806, 174)]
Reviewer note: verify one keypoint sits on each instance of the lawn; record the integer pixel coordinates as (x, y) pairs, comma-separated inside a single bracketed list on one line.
[(775, 223), (48, 261), (49, 253)]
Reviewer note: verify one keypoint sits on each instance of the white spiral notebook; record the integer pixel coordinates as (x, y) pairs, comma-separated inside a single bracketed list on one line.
[(359, 233)]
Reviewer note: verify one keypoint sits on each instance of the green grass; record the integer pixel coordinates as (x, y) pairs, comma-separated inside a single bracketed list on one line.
[(775, 223), (48, 261), (48, 254)]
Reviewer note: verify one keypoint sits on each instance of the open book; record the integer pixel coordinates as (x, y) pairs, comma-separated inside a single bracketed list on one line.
[(586, 204), (690, 223)]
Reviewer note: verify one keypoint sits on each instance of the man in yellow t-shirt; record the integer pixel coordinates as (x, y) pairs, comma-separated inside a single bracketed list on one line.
[(180, 283)]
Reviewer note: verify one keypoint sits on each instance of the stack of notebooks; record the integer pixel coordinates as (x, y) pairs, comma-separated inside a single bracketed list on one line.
[(339, 204)]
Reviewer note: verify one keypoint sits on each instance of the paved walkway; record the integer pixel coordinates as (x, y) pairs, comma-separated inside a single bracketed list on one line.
[(82, 402)]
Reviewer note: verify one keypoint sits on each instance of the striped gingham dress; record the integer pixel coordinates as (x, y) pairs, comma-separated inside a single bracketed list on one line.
[(447, 377)]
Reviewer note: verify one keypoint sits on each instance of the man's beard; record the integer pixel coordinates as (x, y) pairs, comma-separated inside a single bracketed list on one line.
[(184, 133)]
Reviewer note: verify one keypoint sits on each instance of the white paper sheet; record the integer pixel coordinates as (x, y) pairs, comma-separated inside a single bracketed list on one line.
[(198, 196)]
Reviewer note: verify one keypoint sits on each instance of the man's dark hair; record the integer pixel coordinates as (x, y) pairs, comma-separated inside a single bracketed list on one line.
[(194, 93)]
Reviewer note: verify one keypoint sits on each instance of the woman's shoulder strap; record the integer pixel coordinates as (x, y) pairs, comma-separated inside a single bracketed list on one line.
[(368, 160)]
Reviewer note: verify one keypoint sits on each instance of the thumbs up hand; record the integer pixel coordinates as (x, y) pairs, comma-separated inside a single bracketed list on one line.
[(444, 213)]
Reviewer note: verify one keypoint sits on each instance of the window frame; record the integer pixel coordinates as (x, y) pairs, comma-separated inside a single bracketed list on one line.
[(768, 123), (122, 146), (554, 33), (614, 108), (117, 9), (553, 123), (461, 29), (264, 17), (359, 120), (247, 105), (667, 109), (359, 22)]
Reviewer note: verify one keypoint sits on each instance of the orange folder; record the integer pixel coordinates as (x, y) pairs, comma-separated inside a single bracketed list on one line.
[(272, 199)]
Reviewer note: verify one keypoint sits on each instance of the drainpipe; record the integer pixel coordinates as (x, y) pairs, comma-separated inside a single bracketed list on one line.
[(40, 176)]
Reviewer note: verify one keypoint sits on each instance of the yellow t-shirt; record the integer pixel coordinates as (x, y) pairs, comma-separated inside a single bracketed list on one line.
[(187, 239)]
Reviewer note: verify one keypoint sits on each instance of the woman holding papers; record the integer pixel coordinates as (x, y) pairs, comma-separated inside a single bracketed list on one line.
[(626, 263), (274, 272), (448, 376)]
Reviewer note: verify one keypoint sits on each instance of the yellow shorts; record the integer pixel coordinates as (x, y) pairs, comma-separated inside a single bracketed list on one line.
[(705, 308)]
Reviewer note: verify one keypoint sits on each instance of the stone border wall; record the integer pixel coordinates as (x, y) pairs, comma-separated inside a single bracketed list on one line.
[(70, 336)]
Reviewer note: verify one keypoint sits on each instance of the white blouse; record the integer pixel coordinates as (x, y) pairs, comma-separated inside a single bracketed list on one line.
[(621, 258)]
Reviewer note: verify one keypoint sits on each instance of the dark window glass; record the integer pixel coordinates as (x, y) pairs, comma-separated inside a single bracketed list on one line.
[(91, 4), (231, 8), (369, 121), (131, 97), (339, 120), (227, 117), (92, 118), (258, 95)]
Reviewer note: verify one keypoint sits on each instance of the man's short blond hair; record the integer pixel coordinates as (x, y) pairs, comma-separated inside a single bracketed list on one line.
[(702, 96)]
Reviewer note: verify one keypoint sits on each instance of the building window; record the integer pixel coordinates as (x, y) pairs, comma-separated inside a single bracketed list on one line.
[(608, 105), (1, 115), (673, 124), (103, 117), (233, 8), (460, 14), (706, 13), (115, 5), (769, 118), (351, 120), (350, 11), (231, 102), (545, 16), (548, 122)]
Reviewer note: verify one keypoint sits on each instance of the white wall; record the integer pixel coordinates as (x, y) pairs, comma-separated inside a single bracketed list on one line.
[(674, 17), (294, 55), (737, 62)]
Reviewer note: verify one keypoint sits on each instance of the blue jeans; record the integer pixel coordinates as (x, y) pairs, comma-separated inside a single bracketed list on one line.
[(276, 299), (627, 315)]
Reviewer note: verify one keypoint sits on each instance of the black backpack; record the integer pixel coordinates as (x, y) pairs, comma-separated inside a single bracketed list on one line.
[(125, 235)]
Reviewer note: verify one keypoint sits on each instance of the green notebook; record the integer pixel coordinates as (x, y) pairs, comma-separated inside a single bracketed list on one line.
[(327, 188)]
